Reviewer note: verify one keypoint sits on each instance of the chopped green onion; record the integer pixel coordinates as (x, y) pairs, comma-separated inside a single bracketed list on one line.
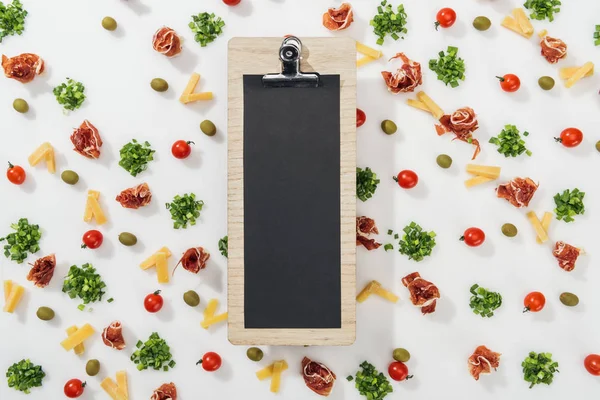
[(509, 142), (449, 67), (388, 22), (388, 246), (206, 27), (184, 209)]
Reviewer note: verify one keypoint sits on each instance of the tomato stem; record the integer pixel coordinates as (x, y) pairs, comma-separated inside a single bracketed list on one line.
[(84, 246), (409, 377), (395, 178), (10, 166), (199, 362), (558, 140), (157, 292), (526, 310), (501, 78), (462, 239), (190, 142), (83, 384), (436, 24)]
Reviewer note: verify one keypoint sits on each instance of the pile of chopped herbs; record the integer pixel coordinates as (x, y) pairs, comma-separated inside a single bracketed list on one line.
[(569, 204), (70, 94), (184, 209), (25, 240), (84, 283), (416, 243), (12, 19), (24, 375), (597, 36), (388, 22), (224, 245), (539, 368), (483, 302), (155, 353), (542, 9), (371, 383), (136, 156), (366, 183), (206, 27), (509, 142), (448, 67)]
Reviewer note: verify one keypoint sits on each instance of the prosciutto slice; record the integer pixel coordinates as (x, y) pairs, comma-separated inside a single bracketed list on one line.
[(566, 255), (336, 19), (406, 78), (112, 336), (482, 361), (167, 42), (42, 271), (23, 67), (364, 227), (86, 140), (135, 197), (423, 294), (194, 259), (166, 391), (317, 377), (463, 122), (553, 49), (518, 192)]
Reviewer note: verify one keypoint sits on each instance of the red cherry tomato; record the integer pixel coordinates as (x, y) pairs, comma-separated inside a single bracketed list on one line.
[(473, 237), (153, 302), (92, 239), (509, 82), (361, 117), (181, 149), (534, 302), (407, 179), (232, 2), (445, 18), (74, 388), (210, 361), (570, 137), (592, 364), (398, 371), (15, 174)]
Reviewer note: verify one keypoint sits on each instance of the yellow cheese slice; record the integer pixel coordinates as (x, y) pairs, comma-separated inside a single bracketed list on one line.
[(276, 377), (389, 296), (50, 161), (267, 372), (151, 261), (78, 337), (364, 61), (367, 291), (478, 180), (546, 220), (191, 85), (80, 348), (523, 21), (542, 33), (537, 226), (512, 24), (484, 170), (39, 154), (567, 72), (14, 297), (162, 268), (213, 320), (210, 309), (435, 110), (122, 389), (88, 214), (110, 387), (8, 285), (580, 73), (97, 210), (417, 104), (368, 51), (196, 97)]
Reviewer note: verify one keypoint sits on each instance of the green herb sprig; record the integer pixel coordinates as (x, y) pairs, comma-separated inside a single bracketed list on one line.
[(597, 36), (25, 240), (569, 204), (224, 246), (483, 302), (154, 353), (84, 283), (366, 183), (542, 9), (24, 375), (12, 19), (70, 94), (371, 383), (388, 22), (206, 27), (448, 67), (510, 143), (539, 368), (185, 209), (416, 243), (136, 156)]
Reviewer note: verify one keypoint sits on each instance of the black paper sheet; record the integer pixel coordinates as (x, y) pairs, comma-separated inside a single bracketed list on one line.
[(292, 205)]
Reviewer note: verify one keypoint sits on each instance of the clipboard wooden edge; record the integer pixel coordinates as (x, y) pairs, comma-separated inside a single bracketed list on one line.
[(260, 56)]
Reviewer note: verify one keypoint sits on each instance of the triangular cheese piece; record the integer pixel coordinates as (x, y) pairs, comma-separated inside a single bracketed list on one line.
[(93, 209), (188, 94)]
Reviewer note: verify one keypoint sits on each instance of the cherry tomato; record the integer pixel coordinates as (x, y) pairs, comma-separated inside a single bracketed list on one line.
[(407, 179), (570, 137), (153, 302), (232, 2), (210, 361), (92, 239), (361, 117), (534, 302), (473, 237), (16, 174), (181, 149), (445, 18), (509, 82), (398, 371), (74, 388), (592, 364)]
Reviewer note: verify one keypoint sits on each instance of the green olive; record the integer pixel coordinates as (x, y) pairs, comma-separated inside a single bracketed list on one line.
[(569, 299), (254, 354), (598, 145), (45, 313), (69, 177), (21, 106), (444, 161), (159, 84), (109, 23), (509, 230), (546, 82), (127, 239), (482, 23), (208, 128), (92, 367), (191, 298), (388, 127), (401, 355)]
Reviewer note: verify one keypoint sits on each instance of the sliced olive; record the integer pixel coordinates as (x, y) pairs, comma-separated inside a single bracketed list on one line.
[(127, 239), (92, 367), (159, 84), (208, 128), (254, 354), (69, 177), (509, 230), (401, 355), (21, 106), (45, 313), (388, 127), (482, 23), (444, 161), (109, 23), (191, 298), (546, 82), (569, 299)]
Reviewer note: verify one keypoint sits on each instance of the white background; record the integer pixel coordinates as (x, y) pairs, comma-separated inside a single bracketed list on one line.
[(117, 68)]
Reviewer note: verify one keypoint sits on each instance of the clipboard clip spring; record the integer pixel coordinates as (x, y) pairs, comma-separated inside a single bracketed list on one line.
[(290, 54)]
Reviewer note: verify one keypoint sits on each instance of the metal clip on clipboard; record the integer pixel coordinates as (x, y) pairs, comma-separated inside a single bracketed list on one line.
[(290, 54)]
